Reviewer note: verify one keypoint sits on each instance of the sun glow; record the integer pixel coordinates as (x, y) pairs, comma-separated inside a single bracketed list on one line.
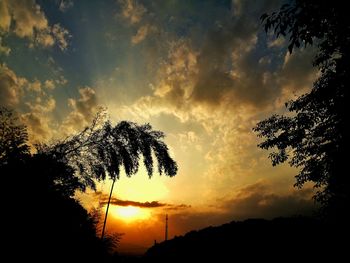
[(139, 187), (129, 213)]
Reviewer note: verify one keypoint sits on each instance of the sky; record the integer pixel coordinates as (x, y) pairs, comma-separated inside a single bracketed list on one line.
[(203, 72)]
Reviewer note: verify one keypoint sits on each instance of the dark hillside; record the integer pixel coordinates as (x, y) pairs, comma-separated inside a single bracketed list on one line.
[(281, 239)]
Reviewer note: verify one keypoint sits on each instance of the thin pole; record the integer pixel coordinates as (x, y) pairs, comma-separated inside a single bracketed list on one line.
[(109, 200), (166, 227)]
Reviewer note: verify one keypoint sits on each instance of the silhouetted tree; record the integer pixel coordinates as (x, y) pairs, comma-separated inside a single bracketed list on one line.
[(102, 149), (314, 137), (13, 138), (44, 214), (42, 219)]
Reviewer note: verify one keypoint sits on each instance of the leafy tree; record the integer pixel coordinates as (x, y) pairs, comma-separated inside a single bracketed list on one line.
[(45, 183), (315, 138), (102, 149), (41, 217)]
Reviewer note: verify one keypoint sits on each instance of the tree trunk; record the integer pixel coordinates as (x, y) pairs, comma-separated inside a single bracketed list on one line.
[(109, 200)]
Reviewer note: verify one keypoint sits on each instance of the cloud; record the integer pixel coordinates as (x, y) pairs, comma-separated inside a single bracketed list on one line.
[(228, 65), (42, 105), (61, 35), (65, 5), (41, 87), (86, 104), (260, 200), (4, 49), (213, 81), (32, 101), (103, 200), (132, 10), (35, 86), (26, 19), (296, 74), (44, 38), (142, 33), (251, 201), (11, 87), (5, 17), (83, 111), (38, 120), (49, 84), (297, 70), (173, 84), (227, 70), (220, 70), (277, 42), (176, 207), (118, 202), (39, 127)]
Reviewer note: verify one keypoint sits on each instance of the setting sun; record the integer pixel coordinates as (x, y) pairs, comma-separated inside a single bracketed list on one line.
[(129, 213)]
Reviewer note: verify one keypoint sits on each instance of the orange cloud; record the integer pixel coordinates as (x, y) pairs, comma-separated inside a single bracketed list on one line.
[(11, 87), (132, 10)]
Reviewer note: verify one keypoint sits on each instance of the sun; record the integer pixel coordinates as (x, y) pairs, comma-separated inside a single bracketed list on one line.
[(129, 213)]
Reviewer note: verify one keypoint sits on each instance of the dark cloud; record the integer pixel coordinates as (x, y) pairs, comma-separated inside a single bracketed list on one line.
[(259, 200), (253, 201), (230, 47), (233, 62), (297, 70), (118, 202), (213, 79), (153, 204), (176, 207)]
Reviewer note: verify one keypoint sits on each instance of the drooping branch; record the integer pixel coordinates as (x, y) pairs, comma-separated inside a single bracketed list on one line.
[(101, 150)]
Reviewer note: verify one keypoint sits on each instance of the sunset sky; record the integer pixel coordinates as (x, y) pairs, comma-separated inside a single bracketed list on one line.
[(203, 72)]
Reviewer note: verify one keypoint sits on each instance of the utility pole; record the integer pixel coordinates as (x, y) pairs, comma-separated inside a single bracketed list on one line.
[(166, 227)]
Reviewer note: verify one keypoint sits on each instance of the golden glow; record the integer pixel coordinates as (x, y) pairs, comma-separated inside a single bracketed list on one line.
[(129, 213), (140, 188)]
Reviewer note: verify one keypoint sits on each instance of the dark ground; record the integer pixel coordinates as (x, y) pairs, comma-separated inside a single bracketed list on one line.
[(295, 239)]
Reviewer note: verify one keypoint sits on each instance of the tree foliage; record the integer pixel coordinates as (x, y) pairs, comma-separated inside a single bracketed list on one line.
[(314, 137), (102, 149), (44, 215), (42, 220)]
